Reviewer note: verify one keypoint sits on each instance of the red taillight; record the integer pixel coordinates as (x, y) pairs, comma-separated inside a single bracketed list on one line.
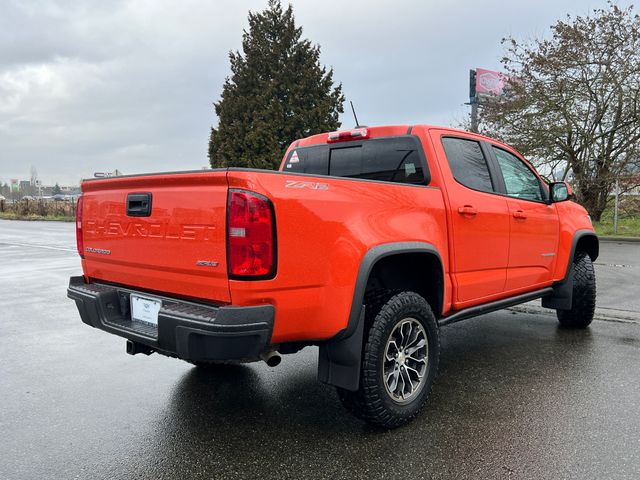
[(79, 239), (251, 245), (346, 135)]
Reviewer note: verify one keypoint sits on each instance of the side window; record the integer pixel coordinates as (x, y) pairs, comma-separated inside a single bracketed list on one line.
[(520, 181), (467, 162)]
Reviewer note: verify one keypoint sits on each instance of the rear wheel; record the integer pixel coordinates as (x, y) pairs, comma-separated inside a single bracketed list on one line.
[(584, 295), (399, 363)]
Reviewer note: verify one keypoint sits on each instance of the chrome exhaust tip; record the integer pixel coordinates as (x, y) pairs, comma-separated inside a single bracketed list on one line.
[(271, 358)]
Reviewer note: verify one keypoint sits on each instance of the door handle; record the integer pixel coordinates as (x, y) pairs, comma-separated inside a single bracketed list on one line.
[(139, 204), (519, 214), (467, 210)]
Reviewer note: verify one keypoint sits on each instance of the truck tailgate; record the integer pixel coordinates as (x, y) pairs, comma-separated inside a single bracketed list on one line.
[(177, 247)]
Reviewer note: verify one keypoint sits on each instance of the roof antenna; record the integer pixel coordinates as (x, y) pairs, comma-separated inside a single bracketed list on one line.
[(354, 116)]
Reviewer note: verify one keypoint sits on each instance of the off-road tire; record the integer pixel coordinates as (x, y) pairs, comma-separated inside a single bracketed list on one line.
[(372, 402), (584, 295)]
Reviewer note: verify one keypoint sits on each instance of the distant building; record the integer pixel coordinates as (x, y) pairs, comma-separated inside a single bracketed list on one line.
[(26, 189)]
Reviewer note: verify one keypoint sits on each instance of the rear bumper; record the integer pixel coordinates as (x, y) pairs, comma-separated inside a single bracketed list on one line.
[(187, 330)]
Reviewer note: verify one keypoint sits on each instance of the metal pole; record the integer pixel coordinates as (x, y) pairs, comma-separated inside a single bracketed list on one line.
[(615, 210), (474, 116), (473, 100)]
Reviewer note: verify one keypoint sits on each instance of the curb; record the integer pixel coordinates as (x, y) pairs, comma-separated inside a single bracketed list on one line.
[(40, 219), (609, 238), (602, 314)]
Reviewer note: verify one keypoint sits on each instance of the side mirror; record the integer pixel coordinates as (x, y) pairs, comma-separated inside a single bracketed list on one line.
[(559, 191)]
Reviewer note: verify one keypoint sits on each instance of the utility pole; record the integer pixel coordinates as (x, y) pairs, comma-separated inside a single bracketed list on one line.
[(615, 209), (473, 101), (474, 116)]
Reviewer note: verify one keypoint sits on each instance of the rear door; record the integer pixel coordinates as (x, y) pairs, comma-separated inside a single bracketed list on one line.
[(479, 219), (534, 223)]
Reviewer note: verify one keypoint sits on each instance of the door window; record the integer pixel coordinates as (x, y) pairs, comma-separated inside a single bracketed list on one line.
[(467, 162), (519, 180)]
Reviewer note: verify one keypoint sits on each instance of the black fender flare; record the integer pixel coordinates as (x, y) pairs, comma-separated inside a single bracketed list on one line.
[(562, 297), (340, 357)]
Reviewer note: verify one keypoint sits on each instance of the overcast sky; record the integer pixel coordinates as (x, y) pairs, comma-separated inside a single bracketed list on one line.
[(96, 85)]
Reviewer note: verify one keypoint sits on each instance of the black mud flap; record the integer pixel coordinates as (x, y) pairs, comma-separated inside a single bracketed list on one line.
[(562, 297), (340, 359)]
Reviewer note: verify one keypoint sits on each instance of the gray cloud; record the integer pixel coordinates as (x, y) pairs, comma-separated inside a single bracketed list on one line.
[(94, 85)]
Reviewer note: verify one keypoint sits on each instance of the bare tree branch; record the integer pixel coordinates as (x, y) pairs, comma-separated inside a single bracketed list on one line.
[(573, 102)]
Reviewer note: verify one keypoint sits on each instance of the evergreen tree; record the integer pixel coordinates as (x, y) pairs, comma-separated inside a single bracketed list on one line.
[(57, 190), (277, 92)]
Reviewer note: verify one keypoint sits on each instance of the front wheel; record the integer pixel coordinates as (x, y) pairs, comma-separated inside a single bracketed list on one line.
[(584, 295), (399, 363)]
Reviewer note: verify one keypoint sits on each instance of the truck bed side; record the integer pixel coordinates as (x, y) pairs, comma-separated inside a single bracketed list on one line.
[(325, 225)]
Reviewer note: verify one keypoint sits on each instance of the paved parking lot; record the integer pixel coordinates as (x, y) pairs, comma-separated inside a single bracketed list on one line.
[(516, 397)]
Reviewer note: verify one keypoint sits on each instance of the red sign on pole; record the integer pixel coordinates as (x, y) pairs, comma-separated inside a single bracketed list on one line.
[(489, 82)]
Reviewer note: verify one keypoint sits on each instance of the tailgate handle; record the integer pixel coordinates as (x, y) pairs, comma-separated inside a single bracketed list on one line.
[(139, 205)]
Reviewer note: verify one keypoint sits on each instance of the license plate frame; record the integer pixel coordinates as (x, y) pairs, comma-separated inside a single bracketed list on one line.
[(145, 309)]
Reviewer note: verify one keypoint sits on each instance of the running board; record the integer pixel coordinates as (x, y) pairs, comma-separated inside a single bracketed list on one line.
[(493, 306)]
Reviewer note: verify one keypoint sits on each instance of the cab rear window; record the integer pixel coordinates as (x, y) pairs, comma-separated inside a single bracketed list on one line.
[(389, 159)]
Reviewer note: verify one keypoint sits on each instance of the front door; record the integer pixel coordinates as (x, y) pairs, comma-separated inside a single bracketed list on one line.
[(534, 224)]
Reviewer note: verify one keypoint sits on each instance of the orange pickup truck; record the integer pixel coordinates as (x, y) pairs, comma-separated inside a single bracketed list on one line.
[(364, 244)]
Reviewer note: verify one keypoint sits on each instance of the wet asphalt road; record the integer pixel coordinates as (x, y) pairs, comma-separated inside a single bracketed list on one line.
[(516, 397)]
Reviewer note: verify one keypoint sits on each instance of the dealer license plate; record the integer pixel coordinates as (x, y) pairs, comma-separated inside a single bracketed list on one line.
[(145, 309)]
